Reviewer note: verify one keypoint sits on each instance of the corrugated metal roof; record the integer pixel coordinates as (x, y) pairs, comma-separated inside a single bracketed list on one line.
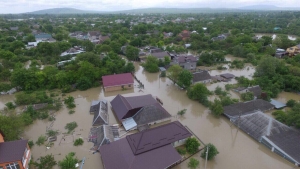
[(129, 123), (277, 104), (117, 79)]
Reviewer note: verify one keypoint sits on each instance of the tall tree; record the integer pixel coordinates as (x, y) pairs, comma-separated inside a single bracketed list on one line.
[(173, 72), (185, 78)]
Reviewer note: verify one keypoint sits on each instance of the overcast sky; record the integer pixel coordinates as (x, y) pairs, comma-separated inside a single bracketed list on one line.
[(20, 6)]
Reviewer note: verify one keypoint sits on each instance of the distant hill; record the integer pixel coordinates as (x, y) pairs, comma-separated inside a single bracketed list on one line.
[(62, 11), (267, 8), (178, 10)]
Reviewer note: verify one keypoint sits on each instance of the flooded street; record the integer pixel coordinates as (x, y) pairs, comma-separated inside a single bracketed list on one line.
[(237, 149)]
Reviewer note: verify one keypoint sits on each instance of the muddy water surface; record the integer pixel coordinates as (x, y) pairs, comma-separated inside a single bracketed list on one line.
[(237, 150)]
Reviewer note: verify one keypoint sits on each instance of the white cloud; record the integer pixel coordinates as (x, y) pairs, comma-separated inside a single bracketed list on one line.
[(20, 6)]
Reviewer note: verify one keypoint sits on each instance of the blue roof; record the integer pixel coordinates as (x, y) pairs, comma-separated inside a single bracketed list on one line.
[(277, 104)]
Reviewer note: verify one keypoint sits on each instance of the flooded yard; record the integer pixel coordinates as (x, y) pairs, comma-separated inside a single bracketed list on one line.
[(237, 149)]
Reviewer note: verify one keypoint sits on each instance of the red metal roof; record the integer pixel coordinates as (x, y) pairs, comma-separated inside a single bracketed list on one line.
[(117, 79)]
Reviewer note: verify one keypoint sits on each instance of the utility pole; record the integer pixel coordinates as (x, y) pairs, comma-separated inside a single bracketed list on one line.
[(82, 163), (207, 148)]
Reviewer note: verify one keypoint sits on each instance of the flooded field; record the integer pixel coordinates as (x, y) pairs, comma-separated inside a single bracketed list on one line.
[(237, 149)]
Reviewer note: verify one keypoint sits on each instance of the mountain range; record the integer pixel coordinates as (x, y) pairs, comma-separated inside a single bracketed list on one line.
[(59, 11)]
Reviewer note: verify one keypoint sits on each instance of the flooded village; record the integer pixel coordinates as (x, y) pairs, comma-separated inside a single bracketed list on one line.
[(153, 91), (237, 149)]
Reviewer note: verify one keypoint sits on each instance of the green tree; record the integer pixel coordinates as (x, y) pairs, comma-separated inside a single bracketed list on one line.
[(192, 145), (291, 103), (185, 78), (151, 64), (132, 53), (12, 126), (46, 162), (167, 60), (217, 108), (198, 92), (68, 162), (173, 72), (193, 163), (212, 152), (247, 96)]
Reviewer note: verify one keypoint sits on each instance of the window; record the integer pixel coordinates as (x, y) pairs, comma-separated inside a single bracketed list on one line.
[(14, 165), (122, 86), (129, 85)]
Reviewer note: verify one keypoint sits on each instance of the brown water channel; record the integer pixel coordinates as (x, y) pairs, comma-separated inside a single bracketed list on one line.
[(237, 149)]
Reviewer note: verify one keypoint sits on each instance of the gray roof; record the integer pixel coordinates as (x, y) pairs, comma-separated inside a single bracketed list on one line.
[(125, 107), (256, 90), (201, 76), (150, 113), (160, 55), (227, 75), (156, 137), (288, 141), (241, 108), (277, 104), (102, 135), (12, 151), (100, 113), (261, 126), (258, 124), (186, 58)]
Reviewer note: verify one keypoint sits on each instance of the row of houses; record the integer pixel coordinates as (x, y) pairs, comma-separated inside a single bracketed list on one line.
[(93, 36)]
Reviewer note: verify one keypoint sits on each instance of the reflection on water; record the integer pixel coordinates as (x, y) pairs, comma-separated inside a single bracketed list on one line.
[(237, 150)]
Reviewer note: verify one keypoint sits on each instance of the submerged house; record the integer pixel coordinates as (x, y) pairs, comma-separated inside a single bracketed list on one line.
[(278, 137), (149, 149), (201, 77), (101, 135), (243, 108), (117, 82), (99, 109), (14, 154), (256, 90), (137, 111)]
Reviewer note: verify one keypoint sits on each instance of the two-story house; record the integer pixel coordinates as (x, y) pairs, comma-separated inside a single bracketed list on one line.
[(188, 62)]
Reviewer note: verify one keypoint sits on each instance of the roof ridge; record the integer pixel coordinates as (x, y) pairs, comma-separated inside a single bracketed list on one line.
[(139, 142)]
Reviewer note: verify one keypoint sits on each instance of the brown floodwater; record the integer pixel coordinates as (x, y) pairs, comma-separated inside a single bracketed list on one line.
[(237, 149)]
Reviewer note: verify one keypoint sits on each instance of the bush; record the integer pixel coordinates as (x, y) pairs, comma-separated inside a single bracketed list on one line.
[(291, 103), (193, 163), (217, 108), (44, 115), (70, 102), (52, 133), (41, 140), (51, 118), (71, 126), (181, 112), (181, 151), (78, 142), (46, 162), (192, 145), (10, 105), (212, 152), (280, 116), (30, 143), (71, 112), (68, 162), (247, 96)]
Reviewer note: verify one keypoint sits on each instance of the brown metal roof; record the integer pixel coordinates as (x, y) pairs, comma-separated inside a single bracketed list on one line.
[(125, 107), (12, 151), (118, 155), (156, 137), (227, 75), (160, 55), (185, 58)]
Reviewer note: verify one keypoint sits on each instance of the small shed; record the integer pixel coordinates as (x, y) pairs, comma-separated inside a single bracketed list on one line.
[(227, 76), (277, 104)]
